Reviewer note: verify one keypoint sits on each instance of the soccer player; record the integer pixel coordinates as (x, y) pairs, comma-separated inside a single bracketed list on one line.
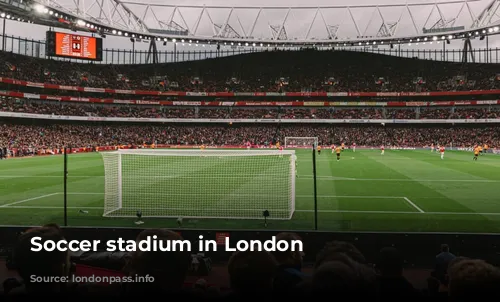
[(202, 149), (353, 147), (342, 146), (338, 150), (382, 149), (480, 149), (441, 151), (485, 148), (248, 145), (432, 147), (476, 153), (281, 151), (333, 149), (319, 149), (278, 145)]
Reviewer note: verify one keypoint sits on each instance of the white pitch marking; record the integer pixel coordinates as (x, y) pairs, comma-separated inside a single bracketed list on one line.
[(26, 200), (48, 207), (400, 212), (325, 178), (413, 205), (349, 196)]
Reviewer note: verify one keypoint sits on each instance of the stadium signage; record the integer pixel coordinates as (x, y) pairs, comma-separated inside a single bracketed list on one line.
[(31, 96), (36, 85), (119, 91), (140, 102), (98, 90), (249, 103), (252, 94), (196, 94), (62, 87)]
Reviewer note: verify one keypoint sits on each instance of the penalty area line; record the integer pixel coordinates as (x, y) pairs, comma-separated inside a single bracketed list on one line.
[(26, 200), (413, 205)]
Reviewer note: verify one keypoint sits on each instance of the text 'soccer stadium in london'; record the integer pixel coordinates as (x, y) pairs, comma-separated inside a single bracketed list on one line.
[(345, 125)]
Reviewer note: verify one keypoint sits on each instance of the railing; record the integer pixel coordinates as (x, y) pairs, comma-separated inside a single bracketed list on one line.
[(36, 49)]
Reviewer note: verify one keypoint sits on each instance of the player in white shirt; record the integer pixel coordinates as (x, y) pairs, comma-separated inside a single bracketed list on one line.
[(353, 147), (382, 149), (432, 147), (249, 145)]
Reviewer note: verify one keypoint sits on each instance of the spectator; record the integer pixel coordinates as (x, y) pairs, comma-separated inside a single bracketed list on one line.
[(47, 267), (473, 280), (442, 261), (333, 248), (392, 285), (169, 269), (289, 272), (343, 277), (251, 274)]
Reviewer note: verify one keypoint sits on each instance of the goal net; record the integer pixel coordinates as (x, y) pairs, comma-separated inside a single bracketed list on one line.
[(230, 184), (301, 142)]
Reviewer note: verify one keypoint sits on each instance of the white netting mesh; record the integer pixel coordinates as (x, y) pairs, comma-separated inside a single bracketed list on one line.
[(301, 142), (234, 184)]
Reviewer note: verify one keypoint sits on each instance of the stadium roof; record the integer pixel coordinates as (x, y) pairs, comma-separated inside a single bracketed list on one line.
[(284, 21)]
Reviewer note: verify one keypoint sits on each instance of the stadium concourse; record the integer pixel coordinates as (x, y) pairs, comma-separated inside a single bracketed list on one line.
[(46, 105)]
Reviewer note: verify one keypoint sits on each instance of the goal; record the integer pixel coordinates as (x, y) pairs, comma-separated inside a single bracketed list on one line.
[(301, 142), (229, 184)]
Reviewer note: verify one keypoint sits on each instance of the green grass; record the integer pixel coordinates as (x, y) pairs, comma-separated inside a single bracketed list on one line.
[(410, 191)]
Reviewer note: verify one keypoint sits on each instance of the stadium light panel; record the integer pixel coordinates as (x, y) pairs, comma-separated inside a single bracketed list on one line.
[(39, 8)]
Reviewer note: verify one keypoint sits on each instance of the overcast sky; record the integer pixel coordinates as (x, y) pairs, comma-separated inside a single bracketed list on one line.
[(297, 25)]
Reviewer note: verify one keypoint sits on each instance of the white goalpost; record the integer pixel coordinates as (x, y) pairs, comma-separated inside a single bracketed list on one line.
[(301, 142), (228, 184)]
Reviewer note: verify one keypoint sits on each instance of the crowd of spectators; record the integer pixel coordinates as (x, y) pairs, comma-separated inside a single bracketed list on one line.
[(141, 111), (307, 70), (339, 270), (52, 136)]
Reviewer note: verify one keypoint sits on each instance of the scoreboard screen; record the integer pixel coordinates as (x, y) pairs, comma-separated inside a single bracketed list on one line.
[(74, 46)]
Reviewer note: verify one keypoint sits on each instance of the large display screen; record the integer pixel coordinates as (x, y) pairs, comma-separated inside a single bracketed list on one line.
[(74, 46)]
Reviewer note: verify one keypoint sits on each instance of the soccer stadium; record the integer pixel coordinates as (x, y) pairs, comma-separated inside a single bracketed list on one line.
[(348, 126)]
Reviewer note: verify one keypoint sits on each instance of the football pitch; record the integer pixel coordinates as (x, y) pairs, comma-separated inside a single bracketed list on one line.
[(401, 191)]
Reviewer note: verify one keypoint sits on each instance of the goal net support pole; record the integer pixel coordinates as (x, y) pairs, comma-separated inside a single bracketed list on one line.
[(227, 184), (301, 142)]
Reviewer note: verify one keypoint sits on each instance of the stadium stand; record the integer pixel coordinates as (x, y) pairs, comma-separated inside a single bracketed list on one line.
[(340, 269), (267, 71)]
